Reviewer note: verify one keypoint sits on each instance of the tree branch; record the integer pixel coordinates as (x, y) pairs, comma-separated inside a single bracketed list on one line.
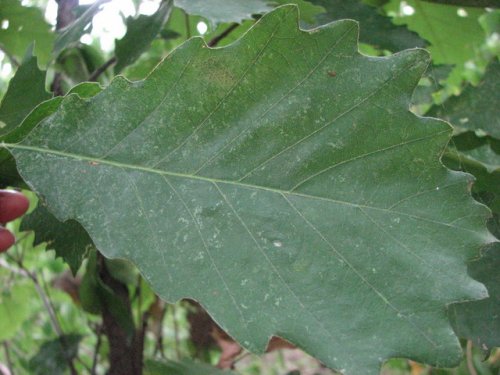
[(65, 14), (96, 73), (214, 41), (7, 357), (11, 57), (125, 353), (65, 17), (470, 360), (188, 26), (96, 350)]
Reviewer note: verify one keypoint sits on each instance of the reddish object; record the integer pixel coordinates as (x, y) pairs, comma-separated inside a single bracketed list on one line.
[(7, 239), (12, 205)]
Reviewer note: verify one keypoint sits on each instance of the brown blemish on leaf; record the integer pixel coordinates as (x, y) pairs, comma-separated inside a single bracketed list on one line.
[(218, 74)]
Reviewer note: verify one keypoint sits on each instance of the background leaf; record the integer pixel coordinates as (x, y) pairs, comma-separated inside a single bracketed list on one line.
[(69, 239), (283, 183), (53, 356), (15, 308), (140, 33), (476, 107), (479, 321), (8, 172), (375, 29), (218, 11), (307, 10), (71, 34), (453, 38), (25, 25), (26, 90)]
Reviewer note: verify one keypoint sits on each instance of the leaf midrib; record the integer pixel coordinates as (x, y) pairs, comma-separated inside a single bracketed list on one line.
[(117, 164)]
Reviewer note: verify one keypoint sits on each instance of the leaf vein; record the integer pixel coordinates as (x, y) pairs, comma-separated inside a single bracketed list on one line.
[(356, 272), (268, 260), (145, 214), (223, 99), (347, 111), (212, 260), (308, 75), (207, 179)]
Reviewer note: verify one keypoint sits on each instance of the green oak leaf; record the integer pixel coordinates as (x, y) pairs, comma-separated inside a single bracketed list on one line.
[(308, 11), (454, 39), (71, 34), (486, 155), (476, 108), (96, 296), (54, 355), (217, 11), (375, 29), (479, 321), (78, 63), (283, 183), (8, 173), (486, 188), (25, 25), (68, 239), (141, 31), (16, 306), (485, 150), (479, 156), (26, 90), (146, 62)]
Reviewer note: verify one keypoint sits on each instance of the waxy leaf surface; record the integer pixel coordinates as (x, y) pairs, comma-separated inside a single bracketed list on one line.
[(282, 182)]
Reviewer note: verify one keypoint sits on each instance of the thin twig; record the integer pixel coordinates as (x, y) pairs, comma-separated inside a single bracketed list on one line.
[(96, 350), (14, 270), (138, 293), (214, 41), (159, 343), (176, 332), (96, 73), (65, 16), (239, 358), (16, 248), (45, 299), (48, 305), (52, 315), (188, 27), (7, 357), (126, 349), (468, 355), (13, 60)]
